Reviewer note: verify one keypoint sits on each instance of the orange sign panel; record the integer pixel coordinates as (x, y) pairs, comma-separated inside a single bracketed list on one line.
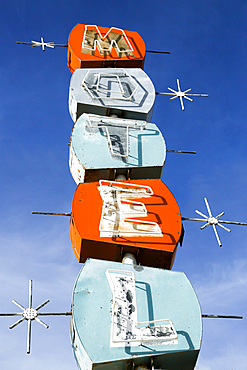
[(90, 46), (109, 219)]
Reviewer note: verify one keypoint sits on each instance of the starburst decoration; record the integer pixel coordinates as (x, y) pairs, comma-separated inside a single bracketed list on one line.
[(180, 94), (41, 43), (31, 314), (213, 221)]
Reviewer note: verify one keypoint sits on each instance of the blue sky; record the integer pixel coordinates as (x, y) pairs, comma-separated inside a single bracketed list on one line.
[(207, 41)]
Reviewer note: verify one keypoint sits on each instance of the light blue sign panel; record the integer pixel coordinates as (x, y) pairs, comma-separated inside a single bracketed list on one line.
[(128, 93), (104, 147), (125, 315)]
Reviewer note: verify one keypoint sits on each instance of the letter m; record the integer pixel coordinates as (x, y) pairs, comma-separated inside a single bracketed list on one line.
[(93, 39)]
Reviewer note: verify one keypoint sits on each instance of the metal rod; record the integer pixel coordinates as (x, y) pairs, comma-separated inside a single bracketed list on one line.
[(223, 227), (163, 93), (217, 235), (30, 293), (42, 305), (219, 215), (29, 336), (233, 223), (158, 52), (181, 151), (11, 314), (201, 214), (24, 43), (16, 323), (182, 102), (208, 208), (51, 214), (61, 45), (197, 94), (193, 219), (18, 305), (41, 323), (222, 317), (206, 224), (55, 313)]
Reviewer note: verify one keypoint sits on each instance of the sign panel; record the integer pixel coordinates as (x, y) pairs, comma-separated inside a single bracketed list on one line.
[(128, 315), (127, 93), (104, 147), (109, 219), (90, 46)]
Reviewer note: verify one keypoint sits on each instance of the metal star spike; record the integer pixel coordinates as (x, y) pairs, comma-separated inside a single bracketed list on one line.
[(180, 94), (42, 44), (31, 314), (213, 221)]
